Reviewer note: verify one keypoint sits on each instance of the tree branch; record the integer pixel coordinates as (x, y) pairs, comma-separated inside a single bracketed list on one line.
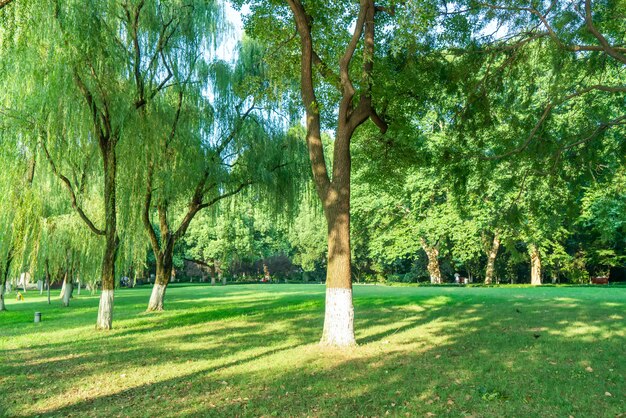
[(68, 185), (5, 3)]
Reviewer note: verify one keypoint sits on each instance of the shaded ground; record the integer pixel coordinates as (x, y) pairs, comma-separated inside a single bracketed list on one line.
[(251, 351)]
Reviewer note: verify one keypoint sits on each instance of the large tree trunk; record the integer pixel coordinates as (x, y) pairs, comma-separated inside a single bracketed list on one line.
[(491, 259), (535, 265), (105, 310), (335, 194), (164, 264), (339, 314), (432, 252)]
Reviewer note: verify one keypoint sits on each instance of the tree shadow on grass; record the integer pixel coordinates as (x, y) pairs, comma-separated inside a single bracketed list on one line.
[(419, 354)]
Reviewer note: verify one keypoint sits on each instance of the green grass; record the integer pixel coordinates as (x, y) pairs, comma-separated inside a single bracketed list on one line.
[(252, 351)]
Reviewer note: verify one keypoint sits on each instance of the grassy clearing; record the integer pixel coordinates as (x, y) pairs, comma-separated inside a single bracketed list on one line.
[(251, 351)]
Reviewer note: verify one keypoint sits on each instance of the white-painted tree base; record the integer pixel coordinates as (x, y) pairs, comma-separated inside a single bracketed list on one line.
[(157, 298), (105, 310), (338, 319), (67, 295)]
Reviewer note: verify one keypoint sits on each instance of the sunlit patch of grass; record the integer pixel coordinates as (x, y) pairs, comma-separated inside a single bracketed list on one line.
[(252, 351)]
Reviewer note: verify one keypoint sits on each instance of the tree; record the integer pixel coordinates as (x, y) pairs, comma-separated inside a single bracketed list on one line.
[(353, 108), (118, 58)]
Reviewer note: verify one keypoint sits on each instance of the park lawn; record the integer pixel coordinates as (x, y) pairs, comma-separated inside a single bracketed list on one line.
[(251, 350)]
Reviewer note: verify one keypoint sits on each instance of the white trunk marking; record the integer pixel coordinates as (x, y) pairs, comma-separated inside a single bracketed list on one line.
[(338, 319), (157, 297), (105, 311), (67, 294)]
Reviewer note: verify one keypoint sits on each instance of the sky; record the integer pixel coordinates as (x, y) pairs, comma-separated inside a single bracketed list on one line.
[(226, 51)]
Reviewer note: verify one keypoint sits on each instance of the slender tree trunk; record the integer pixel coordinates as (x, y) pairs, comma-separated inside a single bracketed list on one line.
[(2, 305), (105, 309), (48, 280), (220, 273), (212, 272), (164, 264), (535, 265), (432, 252), (491, 259), (78, 284), (339, 314), (266, 272), (40, 286), (3, 280), (63, 287)]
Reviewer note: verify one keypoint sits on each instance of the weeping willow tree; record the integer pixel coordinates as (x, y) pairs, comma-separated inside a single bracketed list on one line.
[(95, 74), (19, 214), (209, 147), (104, 70)]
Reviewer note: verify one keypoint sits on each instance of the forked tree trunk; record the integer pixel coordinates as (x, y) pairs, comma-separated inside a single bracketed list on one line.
[(164, 264), (535, 265), (334, 193), (432, 253), (491, 259)]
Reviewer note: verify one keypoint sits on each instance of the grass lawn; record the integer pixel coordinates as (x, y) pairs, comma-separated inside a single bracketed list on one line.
[(251, 350)]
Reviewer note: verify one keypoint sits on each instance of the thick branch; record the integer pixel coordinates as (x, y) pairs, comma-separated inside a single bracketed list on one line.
[(309, 100), (603, 42), (68, 186), (146, 211)]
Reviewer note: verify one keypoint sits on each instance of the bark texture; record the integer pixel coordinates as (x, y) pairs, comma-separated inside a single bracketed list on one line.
[(157, 297), (339, 318), (432, 253), (164, 264), (105, 310), (535, 265), (491, 259)]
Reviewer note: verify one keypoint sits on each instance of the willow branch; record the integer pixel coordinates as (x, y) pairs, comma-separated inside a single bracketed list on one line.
[(68, 185)]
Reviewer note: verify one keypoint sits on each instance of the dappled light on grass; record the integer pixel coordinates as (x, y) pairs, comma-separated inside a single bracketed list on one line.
[(253, 351)]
